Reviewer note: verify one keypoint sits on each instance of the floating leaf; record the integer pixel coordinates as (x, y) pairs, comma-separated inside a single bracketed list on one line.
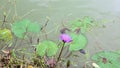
[(20, 28), (75, 24), (112, 59), (5, 34), (47, 47), (52, 48), (79, 42), (34, 27), (84, 24), (41, 49)]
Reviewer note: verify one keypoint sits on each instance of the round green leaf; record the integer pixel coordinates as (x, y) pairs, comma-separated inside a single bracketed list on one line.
[(84, 24), (41, 49), (79, 42), (47, 47), (19, 28), (52, 48), (113, 59), (75, 24), (34, 27)]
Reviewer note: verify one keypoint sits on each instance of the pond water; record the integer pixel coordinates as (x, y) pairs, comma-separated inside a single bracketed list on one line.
[(63, 11)]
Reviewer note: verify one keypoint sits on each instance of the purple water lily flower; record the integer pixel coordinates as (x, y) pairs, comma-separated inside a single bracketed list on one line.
[(65, 38)]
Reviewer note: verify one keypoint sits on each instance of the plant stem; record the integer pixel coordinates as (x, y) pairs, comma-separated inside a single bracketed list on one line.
[(43, 28), (4, 20), (15, 42), (60, 52)]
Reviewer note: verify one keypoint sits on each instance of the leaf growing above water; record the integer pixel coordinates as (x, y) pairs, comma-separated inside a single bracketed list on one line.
[(84, 24), (20, 28), (34, 27), (107, 59), (46, 47), (79, 42)]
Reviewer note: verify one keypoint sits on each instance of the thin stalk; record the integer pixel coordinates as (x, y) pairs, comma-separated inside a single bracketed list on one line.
[(43, 28), (15, 42), (4, 19), (46, 23), (60, 52)]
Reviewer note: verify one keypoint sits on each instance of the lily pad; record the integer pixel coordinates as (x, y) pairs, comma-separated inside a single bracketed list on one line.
[(84, 24), (107, 59), (75, 24), (20, 28), (46, 47), (79, 42)]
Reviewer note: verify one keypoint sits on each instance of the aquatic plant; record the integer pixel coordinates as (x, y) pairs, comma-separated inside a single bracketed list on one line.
[(79, 42), (83, 24), (5, 35), (21, 28), (47, 53), (107, 59), (47, 47), (65, 38)]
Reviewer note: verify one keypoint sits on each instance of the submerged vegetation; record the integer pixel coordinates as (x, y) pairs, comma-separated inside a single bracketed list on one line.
[(47, 53)]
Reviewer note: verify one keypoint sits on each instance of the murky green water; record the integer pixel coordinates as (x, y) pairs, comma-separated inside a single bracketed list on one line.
[(62, 11)]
